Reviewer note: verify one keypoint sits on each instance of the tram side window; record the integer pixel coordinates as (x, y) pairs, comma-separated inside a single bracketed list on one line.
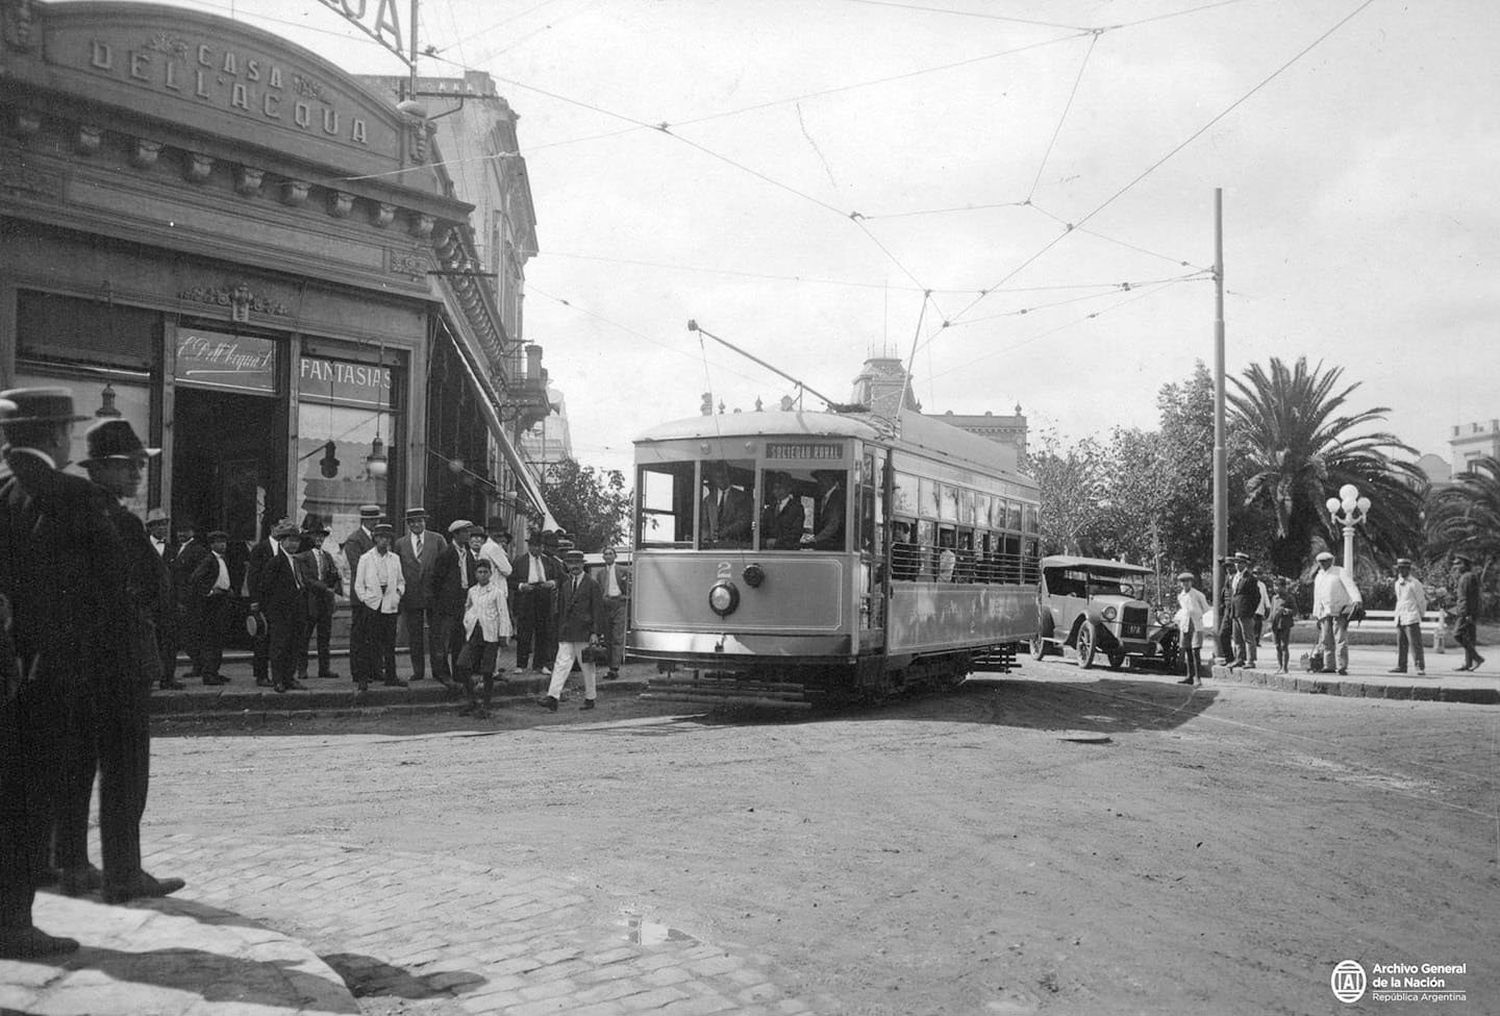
[(967, 568), (927, 552), (947, 559), (727, 504), (785, 515), (666, 504), (906, 556), (829, 510)]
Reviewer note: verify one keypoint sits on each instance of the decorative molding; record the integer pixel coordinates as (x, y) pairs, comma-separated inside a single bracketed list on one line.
[(198, 166), (16, 178), (88, 139), (405, 262), (247, 180), (294, 192), (238, 297), (308, 88), (340, 204), (172, 45), (421, 225), (418, 133), (385, 214), (145, 153)]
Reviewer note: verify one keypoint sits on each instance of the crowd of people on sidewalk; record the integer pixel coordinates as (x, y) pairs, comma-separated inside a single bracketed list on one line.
[(1249, 607)]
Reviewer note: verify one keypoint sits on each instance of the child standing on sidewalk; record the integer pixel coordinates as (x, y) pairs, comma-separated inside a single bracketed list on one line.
[(486, 622), (1280, 617)]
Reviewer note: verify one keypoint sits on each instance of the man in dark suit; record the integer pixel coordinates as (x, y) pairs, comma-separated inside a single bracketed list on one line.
[(116, 462), (781, 524), (533, 580), (212, 590), (159, 531), (1243, 596), (261, 554), (282, 596), (189, 556), (580, 622), (450, 577), (321, 579), (828, 512), (356, 546), (614, 585), (419, 551), (726, 510)]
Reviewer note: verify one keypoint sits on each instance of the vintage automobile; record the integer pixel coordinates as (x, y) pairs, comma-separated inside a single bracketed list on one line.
[(1094, 606)]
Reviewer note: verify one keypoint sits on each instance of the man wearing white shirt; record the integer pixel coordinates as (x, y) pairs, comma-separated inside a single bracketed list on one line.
[(614, 581), (379, 585), (1411, 604), (493, 551), (210, 584), (1334, 597)]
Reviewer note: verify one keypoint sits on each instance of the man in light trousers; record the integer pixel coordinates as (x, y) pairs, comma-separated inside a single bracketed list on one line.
[(1334, 598)]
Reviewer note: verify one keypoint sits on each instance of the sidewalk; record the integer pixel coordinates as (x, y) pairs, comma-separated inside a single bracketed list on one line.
[(1368, 677), (339, 695)]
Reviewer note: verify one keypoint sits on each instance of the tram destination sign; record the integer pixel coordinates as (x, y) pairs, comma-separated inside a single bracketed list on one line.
[(803, 452)]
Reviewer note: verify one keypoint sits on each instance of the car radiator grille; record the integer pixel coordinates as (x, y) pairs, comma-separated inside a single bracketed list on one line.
[(1133, 623)]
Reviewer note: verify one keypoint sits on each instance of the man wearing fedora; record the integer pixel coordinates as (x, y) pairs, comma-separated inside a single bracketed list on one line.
[(282, 595), (419, 551), (159, 532), (1411, 604), (63, 571), (212, 592), (533, 579), (190, 554), (320, 576), (356, 545), (447, 594), (379, 585), (580, 623), (1466, 612), (1242, 596), (117, 462), (1334, 598)]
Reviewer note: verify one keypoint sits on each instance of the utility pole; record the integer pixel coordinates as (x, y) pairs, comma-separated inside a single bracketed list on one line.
[(1221, 466)]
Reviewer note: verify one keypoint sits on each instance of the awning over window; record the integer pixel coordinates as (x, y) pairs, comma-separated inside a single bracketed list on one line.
[(489, 404)]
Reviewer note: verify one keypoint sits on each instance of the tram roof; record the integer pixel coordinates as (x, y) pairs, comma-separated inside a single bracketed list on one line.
[(919, 433)]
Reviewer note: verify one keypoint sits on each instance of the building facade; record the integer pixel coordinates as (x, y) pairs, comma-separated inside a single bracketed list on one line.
[(883, 385), (1472, 442), (251, 256)]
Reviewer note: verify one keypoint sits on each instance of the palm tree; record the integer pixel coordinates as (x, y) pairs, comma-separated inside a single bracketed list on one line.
[(1301, 444), (1464, 516)]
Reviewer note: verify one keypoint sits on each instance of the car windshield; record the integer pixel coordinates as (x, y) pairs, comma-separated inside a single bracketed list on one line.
[(1106, 584)]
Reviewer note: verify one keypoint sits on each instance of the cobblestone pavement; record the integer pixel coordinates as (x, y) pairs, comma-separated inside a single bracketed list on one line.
[(454, 937)]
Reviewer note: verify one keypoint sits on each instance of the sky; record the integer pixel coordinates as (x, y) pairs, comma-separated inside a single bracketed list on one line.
[(1016, 197)]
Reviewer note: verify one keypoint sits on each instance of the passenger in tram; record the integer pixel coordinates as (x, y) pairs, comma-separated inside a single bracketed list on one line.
[(905, 557), (828, 512), (726, 510), (947, 559), (781, 524)]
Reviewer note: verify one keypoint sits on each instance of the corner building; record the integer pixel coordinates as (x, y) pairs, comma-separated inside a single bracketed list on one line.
[(252, 257)]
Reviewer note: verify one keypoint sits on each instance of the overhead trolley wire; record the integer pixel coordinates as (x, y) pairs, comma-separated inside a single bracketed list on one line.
[(1082, 66)]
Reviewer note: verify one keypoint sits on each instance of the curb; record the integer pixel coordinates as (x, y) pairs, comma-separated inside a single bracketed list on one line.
[(1345, 687)]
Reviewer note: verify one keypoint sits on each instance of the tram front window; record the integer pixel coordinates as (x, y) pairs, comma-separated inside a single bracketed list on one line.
[(727, 504), (666, 500)]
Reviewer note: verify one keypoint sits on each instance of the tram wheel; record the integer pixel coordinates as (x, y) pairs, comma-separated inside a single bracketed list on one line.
[(1038, 647), (1086, 646)]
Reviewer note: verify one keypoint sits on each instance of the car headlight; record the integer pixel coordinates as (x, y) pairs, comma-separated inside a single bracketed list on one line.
[(723, 598), (1108, 614)]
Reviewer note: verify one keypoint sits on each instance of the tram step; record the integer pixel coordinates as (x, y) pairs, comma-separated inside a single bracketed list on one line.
[(727, 690), (726, 699)]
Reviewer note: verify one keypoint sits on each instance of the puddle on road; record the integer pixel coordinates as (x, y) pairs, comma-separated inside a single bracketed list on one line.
[(643, 932)]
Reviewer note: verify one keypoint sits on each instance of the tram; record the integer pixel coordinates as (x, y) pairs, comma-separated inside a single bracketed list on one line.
[(793, 559)]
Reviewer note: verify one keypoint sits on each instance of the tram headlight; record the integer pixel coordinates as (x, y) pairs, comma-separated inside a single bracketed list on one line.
[(1109, 614), (723, 598)]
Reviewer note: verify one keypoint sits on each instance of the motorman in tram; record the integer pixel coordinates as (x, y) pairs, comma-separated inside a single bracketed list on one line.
[(828, 512), (726, 510), (781, 525)]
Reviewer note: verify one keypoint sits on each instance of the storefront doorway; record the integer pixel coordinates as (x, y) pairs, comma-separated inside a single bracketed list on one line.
[(228, 452)]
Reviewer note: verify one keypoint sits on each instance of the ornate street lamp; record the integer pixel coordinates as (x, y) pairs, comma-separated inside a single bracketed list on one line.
[(1348, 510)]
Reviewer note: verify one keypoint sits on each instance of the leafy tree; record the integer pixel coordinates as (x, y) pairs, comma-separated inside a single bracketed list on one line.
[(1301, 445), (1464, 517), (592, 505), (1071, 484)]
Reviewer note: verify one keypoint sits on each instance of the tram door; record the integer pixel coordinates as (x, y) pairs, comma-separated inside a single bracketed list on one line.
[(870, 477)]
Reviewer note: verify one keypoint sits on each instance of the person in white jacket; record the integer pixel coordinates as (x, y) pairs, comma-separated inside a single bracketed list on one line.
[(379, 585), (486, 622), (1334, 598), (1191, 606)]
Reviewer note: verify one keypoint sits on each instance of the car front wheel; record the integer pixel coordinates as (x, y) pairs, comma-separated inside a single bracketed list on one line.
[(1038, 647), (1086, 646)]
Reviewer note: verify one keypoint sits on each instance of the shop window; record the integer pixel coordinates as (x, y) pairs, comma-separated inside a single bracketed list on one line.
[(70, 330)]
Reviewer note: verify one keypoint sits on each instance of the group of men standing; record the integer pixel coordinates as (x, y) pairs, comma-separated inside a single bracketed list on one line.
[(85, 591)]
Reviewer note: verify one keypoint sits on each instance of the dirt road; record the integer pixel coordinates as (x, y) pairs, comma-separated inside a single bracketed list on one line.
[(982, 851)]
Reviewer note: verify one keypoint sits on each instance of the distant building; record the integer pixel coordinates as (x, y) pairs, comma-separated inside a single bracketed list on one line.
[(549, 440), (882, 384), (1472, 442), (1436, 469)]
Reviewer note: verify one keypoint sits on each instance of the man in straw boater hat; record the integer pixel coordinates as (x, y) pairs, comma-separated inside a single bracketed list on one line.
[(282, 595), (419, 551), (1334, 598), (62, 569), (321, 576), (355, 546), (379, 584), (117, 462), (1411, 604)]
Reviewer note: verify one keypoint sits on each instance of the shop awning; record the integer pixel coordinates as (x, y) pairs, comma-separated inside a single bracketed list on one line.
[(489, 402)]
